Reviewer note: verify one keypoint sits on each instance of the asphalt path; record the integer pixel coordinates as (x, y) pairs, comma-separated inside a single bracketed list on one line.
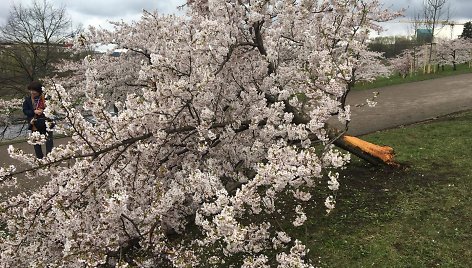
[(396, 106), (409, 103)]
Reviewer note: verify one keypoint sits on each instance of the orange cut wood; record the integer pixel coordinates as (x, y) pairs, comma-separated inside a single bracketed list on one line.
[(384, 153)]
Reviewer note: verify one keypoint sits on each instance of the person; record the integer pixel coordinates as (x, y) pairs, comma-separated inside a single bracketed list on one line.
[(33, 108)]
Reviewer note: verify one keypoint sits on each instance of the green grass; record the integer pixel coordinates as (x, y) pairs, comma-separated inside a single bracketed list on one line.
[(396, 80), (416, 216)]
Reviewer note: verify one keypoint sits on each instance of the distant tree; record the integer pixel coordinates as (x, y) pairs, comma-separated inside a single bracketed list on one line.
[(391, 46), (467, 31), (434, 12), (446, 53), (402, 64), (33, 39), (453, 52)]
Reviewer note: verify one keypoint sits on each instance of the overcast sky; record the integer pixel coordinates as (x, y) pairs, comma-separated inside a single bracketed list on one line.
[(98, 12)]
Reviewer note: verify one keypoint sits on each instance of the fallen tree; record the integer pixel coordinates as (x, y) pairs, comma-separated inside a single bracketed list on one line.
[(235, 93)]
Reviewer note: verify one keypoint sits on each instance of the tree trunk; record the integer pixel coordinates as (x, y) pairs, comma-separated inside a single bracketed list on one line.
[(372, 153)]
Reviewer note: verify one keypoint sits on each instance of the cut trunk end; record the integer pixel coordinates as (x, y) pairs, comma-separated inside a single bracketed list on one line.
[(372, 153)]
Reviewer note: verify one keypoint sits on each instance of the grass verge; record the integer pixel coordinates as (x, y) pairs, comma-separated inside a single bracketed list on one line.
[(417, 216), (396, 80)]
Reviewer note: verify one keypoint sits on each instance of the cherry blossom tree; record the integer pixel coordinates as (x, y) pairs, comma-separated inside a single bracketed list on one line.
[(403, 63), (221, 118), (452, 52)]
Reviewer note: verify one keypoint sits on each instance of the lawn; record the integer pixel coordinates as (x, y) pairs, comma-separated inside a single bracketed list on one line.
[(396, 80), (417, 216)]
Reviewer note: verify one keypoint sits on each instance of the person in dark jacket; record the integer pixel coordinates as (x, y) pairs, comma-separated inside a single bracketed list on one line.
[(33, 107)]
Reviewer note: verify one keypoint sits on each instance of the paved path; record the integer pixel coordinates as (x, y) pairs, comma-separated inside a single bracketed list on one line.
[(396, 105), (409, 103), (23, 184)]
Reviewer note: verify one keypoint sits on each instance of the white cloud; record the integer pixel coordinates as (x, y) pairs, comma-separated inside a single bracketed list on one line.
[(99, 12)]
